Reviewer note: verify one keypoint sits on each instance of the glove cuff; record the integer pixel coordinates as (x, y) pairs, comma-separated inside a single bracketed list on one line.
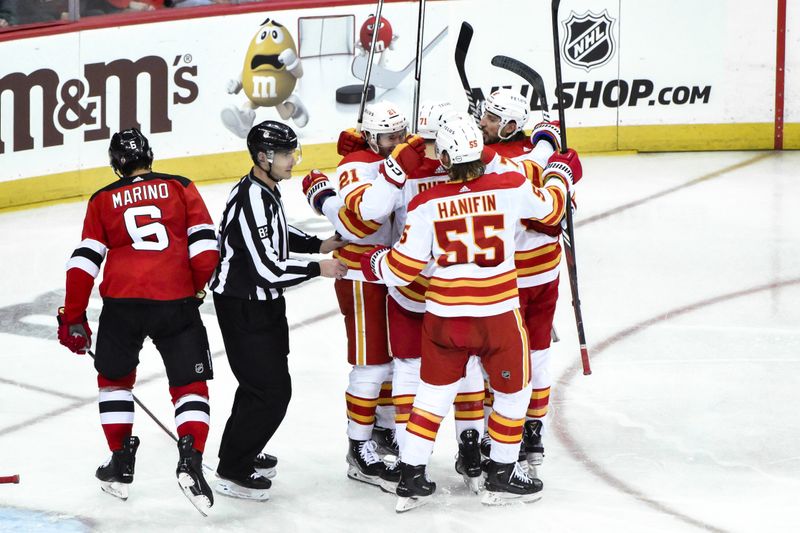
[(559, 170), (317, 194), (547, 132), (393, 172)]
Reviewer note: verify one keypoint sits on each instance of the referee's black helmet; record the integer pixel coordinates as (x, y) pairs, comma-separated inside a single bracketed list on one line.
[(270, 136)]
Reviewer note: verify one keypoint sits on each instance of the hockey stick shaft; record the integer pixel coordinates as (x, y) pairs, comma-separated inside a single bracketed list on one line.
[(10, 479), (365, 89), (533, 78), (418, 65), (462, 47), (569, 240)]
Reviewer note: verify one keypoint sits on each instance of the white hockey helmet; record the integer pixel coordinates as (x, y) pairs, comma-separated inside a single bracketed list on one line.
[(382, 117), (461, 139), (508, 105), (432, 115)]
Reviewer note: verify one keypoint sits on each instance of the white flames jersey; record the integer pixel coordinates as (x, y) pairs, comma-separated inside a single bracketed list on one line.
[(467, 229), (538, 254), (352, 215)]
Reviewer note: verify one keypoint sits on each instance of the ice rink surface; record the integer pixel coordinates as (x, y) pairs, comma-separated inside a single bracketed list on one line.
[(689, 271)]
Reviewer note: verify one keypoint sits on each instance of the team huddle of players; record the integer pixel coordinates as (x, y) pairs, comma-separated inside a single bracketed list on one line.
[(453, 262)]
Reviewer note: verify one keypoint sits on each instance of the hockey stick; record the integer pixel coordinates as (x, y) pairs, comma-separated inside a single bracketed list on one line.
[(418, 69), (389, 79), (528, 74), (369, 65), (9, 479), (535, 80), (569, 235), (462, 46)]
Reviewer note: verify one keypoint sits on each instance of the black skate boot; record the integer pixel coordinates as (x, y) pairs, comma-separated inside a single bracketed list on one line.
[(532, 445), (390, 478), (414, 489), (266, 465), (468, 460), (251, 487), (363, 461), (117, 473), (486, 445), (507, 483), (190, 475), (386, 441)]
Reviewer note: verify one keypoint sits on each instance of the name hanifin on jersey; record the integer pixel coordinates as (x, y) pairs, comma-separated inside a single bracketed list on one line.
[(467, 206), (140, 193)]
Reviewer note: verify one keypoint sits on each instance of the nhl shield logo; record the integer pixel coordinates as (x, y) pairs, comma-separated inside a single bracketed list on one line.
[(588, 39)]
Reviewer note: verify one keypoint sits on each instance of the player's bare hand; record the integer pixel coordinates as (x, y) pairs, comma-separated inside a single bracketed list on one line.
[(331, 243), (332, 268)]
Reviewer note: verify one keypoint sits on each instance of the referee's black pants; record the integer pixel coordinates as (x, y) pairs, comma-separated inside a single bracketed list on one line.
[(256, 337)]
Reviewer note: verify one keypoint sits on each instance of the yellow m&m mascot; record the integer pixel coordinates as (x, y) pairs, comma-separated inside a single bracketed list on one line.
[(269, 75)]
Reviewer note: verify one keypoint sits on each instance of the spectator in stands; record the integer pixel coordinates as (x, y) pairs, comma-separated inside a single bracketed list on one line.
[(7, 13)]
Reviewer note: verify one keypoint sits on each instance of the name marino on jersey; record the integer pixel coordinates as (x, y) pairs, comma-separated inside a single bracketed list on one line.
[(140, 193)]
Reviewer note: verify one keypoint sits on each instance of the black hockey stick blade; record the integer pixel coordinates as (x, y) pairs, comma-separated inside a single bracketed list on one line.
[(533, 78), (462, 47)]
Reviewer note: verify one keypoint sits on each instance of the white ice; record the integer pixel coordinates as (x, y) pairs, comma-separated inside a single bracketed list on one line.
[(689, 420)]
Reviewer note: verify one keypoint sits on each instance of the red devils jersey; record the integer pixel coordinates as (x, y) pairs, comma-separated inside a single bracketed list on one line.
[(158, 238)]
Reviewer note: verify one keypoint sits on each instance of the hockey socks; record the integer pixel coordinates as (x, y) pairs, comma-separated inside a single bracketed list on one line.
[(192, 412), (115, 402)]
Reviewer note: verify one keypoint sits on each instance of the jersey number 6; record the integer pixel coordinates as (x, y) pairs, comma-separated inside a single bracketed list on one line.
[(457, 252), (157, 233)]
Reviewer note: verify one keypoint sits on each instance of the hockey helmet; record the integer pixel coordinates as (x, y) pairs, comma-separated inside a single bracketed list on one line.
[(272, 136), (508, 105), (432, 115), (461, 140), (129, 150), (382, 117)]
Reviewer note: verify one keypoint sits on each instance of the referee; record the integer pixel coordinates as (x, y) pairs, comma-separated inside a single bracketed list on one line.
[(248, 284)]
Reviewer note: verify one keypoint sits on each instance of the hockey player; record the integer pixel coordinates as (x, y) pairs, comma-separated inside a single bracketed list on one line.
[(467, 228), (255, 269), (406, 304), (161, 248), (363, 303), (538, 255)]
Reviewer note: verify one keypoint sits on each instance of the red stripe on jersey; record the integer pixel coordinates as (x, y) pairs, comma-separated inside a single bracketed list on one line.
[(487, 182), (354, 197), (350, 255), (512, 149), (538, 260), (355, 225)]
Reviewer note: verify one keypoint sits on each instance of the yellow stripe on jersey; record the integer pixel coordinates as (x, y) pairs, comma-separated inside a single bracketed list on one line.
[(521, 256), (358, 298), (470, 282), (471, 300), (526, 354)]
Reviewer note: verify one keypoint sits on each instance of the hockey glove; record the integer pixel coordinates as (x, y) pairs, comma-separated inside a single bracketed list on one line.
[(317, 188), (76, 337), (566, 167), (404, 159), (547, 131), (370, 262), (350, 141)]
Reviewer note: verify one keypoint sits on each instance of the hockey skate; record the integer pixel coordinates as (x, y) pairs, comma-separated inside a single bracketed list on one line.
[(468, 460), (385, 440), (117, 473), (486, 446), (532, 446), (190, 476), (390, 477), (266, 465), (508, 483), (253, 487), (363, 462), (414, 489)]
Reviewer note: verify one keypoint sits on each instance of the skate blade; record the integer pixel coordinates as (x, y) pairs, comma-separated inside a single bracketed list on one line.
[(115, 488), (354, 473), (389, 487), (406, 504), (268, 473), (201, 503), (232, 490), (473, 483), (507, 498)]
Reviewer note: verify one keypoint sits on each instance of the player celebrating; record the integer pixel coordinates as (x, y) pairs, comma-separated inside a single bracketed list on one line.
[(406, 304), (538, 255), (161, 248), (365, 223), (467, 228)]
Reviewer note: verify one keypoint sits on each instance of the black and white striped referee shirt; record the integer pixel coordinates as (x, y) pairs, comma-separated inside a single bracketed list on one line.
[(255, 242)]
